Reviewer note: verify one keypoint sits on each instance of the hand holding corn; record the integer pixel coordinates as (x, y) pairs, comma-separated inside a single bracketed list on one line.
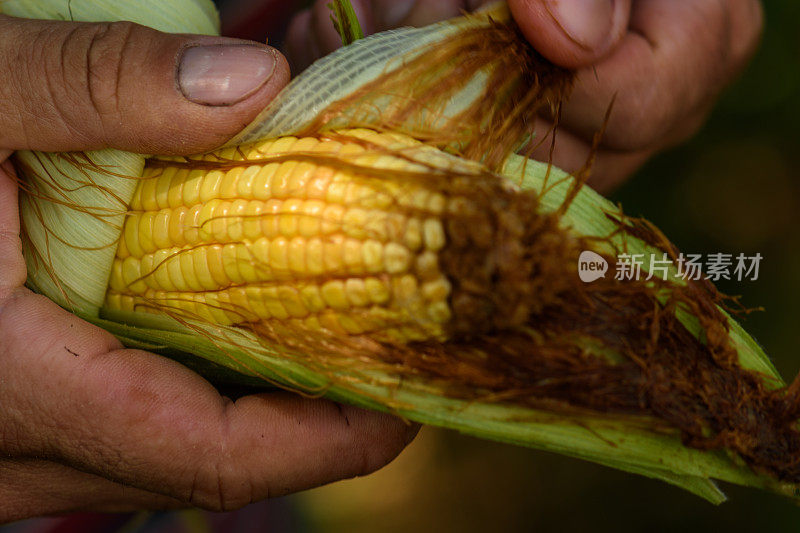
[(372, 237), (665, 61), (84, 423)]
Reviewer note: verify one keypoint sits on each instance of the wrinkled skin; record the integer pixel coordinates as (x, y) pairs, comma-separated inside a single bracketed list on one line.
[(88, 425)]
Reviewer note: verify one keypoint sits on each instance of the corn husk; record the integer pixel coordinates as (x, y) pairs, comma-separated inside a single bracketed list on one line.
[(73, 213), (70, 250)]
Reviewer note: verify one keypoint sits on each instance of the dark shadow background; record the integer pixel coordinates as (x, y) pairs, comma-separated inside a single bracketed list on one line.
[(733, 188)]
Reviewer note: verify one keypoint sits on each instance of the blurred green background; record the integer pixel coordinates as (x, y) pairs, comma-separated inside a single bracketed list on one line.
[(732, 188)]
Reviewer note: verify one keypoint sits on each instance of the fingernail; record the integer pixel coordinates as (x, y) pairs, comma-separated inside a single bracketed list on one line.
[(220, 75), (586, 22)]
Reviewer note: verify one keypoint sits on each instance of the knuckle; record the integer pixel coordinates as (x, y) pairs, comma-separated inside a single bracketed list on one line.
[(219, 486), (106, 49), (84, 86), (76, 69)]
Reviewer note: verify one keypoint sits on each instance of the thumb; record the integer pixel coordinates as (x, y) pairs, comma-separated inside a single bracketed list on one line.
[(572, 33), (79, 86)]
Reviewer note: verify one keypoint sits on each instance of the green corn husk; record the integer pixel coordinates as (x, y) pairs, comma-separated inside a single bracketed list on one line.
[(73, 270), (345, 21)]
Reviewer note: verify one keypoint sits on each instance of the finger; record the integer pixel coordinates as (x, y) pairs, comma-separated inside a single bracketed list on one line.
[(32, 487), (311, 34), (666, 72), (572, 33), (301, 46), (417, 13), (80, 86), (571, 153), (12, 265), (323, 29), (388, 14), (71, 394)]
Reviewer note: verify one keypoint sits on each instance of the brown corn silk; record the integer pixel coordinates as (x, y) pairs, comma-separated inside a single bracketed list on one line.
[(522, 328)]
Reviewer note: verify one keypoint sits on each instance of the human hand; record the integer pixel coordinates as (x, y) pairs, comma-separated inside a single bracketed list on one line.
[(84, 423), (666, 61)]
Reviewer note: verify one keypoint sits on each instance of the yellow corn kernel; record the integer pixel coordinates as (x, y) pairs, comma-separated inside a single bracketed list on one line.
[(176, 276), (210, 185), (309, 223), (177, 226), (332, 254), (372, 252), (412, 236), (202, 268), (440, 312), (230, 183), (192, 224), (292, 302), (191, 188), (351, 254), (377, 290), (436, 290), (161, 238), (230, 264), (278, 259), (131, 275), (296, 252), (187, 264), (434, 234), (427, 265), (315, 257), (245, 183), (177, 181), (266, 237), (160, 277), (356, 291), (288, 220), (273, 303), (334, 294), (216, 265), (251, 225), (148, 197), (396, 258), (312, 298), (332, 217), (405, 287), (116, 282)]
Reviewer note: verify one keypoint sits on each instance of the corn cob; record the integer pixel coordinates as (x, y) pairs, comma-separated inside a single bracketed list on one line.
[(289, 241), (460, 283), (354, 233), (454, 274)]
